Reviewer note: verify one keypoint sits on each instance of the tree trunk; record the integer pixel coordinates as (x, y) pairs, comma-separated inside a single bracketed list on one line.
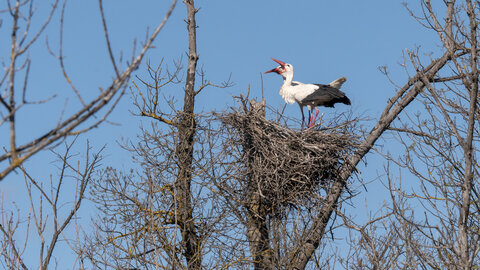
[(184, 151), (466, 262), (257, 230)]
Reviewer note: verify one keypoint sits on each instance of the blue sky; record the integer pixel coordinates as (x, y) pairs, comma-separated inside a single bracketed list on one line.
[(324, 40)]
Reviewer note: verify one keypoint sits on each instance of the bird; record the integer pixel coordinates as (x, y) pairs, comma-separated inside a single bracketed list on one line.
[(310, 95)]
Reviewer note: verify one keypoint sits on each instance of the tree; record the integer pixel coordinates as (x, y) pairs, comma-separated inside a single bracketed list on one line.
[(48, 201), (22, 39), (169, 173), (48, 215), (433, 213), (236, 190), (234, 221)]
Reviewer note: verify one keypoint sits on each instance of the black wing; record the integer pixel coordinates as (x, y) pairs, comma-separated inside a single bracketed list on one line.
[(326, 96)]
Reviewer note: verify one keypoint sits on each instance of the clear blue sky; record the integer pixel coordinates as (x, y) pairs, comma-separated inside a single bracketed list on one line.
[(324, 40)]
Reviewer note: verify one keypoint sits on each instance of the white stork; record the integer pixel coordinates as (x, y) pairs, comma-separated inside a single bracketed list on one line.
[(310, 95)]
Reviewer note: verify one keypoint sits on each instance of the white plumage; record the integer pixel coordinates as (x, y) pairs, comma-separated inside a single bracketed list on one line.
[(310, 95)]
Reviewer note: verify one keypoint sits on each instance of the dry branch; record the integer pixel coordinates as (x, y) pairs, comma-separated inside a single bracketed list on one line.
[(288, 167)]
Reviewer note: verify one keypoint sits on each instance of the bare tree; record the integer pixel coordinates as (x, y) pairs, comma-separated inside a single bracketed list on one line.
[(404, 96), (171, 232), (184, 151), (444, 140), (434, 213), (261, 206), (49, 223), (424, 77), (22, 38), (49, 201), (278, 179)]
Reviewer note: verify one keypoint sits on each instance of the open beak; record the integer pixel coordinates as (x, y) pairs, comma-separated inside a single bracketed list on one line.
[(277, 69), (279, 62), (272, 70)]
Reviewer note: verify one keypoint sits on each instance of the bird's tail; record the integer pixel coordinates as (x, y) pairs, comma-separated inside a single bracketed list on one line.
[(338, 82), (345, 100)]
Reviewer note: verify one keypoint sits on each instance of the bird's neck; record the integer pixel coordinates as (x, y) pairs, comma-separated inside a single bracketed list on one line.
[(287, 78)]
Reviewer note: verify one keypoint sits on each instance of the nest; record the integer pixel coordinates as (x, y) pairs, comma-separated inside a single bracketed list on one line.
[(283, 167)]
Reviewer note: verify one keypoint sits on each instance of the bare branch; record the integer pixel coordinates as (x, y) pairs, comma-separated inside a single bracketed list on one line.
[(109, 46), (67, 127), (395, 106)]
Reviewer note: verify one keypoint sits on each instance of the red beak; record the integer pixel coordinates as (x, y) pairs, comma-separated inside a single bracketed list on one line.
[(282, 64), (279, 62), (272, 70)]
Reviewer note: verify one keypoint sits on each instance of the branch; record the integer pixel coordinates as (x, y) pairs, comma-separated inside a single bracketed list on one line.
[(109, 46), (60, 57), (158, 118), (45, 24), (86, 112), (312, 237), (12, 246), (85, 177), (414, 132)]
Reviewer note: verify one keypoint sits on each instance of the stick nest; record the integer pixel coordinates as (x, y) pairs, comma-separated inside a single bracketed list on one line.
[(284, 167)]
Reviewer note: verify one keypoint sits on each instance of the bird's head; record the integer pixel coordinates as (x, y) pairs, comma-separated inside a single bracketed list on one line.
[(282, 69)]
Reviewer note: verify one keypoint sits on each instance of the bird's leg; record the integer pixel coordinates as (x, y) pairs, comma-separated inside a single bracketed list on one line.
[(316, 114), (312, 120), (309, 118), (303, 116)]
